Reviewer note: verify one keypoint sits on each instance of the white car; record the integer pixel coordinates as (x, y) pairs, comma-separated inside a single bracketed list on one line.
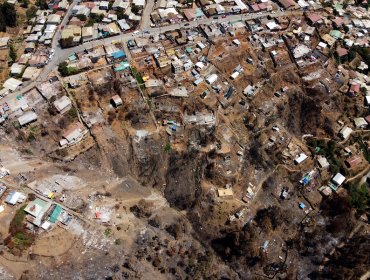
[(135, 33)]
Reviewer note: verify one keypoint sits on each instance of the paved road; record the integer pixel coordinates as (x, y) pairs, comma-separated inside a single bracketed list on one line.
[(55, 44), (62, 54), (145, 19), (64, 22)]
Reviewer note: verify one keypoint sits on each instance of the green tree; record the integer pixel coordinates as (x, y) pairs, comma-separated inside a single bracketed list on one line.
[(72, 114), (31, 12), (7, 11), (365, 54), (121, 14), (97, 17), (135, 9), (42, 4), (63, 68), (67, 42), (337, 58), (168, 148), (12, 53), (351, 55), (359, 197), (2, 23), (81, 17), (24, 3)]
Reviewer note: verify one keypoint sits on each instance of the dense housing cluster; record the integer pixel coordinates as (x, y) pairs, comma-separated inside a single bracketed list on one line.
[(186, 140)]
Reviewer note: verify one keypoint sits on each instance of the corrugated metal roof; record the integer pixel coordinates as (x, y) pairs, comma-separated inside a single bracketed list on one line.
[(56, 212)]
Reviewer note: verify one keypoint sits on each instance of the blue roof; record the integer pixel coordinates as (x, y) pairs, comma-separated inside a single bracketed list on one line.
[(189, 49), (198, 12), (122, 66), (72, 57), (119, 54)]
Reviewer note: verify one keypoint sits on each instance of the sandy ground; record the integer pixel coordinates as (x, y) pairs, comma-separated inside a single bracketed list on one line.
[(6, 217), (14, 268), (15, 163), (56, 242)]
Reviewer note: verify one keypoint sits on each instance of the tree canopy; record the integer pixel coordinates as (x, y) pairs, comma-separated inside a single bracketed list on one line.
[(359, 197), (8, 16)]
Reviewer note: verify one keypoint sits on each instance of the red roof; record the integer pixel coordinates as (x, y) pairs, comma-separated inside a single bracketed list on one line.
[(262, 6), (287, 3), (353, 161), (354, 88), (314, 18), (338, 21), (189, 13), (342, 52), (255, 7), (60, 13)]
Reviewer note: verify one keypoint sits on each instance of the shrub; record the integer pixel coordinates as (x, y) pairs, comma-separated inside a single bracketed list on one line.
[(359, 197)]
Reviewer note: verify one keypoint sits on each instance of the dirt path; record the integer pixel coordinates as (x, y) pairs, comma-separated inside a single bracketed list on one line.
[(360, 174), (366, 276)]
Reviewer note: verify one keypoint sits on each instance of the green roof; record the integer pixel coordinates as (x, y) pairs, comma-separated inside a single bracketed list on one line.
[(198, 12), (56, 212), (335, 34), (37, 207), (189, 49), (122, 66)]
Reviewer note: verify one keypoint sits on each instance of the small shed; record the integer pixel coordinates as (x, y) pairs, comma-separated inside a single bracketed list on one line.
[(211, 79), (201, 45), (301, 158), (360, 122), (234, 75), (236, 42), (338, 179), (116, 100), (353, 161), (13, 197), (225, 192), (367, 100), (63, 104), (12, 84), (27, 118), (345, 132), (302, 205), (323, 162), (198, 81)]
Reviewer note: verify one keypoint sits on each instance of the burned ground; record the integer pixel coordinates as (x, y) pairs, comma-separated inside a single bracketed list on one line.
[(183, 179), (205, 184)]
